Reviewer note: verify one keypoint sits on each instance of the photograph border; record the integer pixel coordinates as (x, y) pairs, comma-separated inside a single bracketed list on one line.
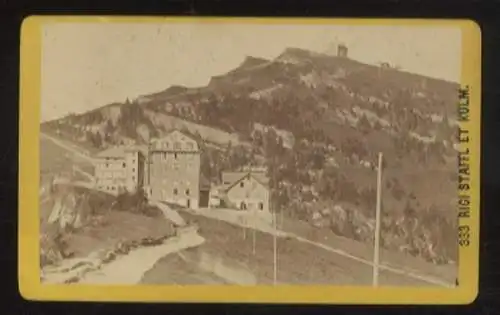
[(30, 285)]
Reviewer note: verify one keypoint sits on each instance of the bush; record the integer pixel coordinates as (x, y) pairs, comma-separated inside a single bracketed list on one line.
[(136, 203)]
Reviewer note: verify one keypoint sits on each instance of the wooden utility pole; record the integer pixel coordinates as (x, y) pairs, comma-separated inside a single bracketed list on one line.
[(253, 232), (281, 219), (376, 249), (244, 222), (274, 247)]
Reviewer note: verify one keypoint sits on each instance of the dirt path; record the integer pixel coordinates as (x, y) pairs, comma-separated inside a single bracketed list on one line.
[(89, 176), (130, 269), (170, 214)]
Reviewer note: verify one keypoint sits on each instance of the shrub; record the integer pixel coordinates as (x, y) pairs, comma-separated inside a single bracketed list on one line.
[(135, 202)]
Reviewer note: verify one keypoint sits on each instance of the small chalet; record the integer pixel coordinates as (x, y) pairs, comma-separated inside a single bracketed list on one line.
[(247, 190)]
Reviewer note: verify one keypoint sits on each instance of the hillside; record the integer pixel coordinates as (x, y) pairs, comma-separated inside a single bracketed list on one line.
[(230, 252), (76, 221), (318, 122)]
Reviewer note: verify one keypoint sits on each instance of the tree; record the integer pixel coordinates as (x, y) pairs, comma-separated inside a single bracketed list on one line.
[(97, 140), (133, 202), (364, 125), (318, 159), (409, 211), (108, 131), (397, 190), (328, 185)]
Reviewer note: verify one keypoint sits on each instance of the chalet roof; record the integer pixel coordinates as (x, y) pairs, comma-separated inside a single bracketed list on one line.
[(229, 179)]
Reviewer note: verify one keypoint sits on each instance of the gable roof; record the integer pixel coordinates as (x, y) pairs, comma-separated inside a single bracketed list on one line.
[(180, 133), (229, 178), (233, 178), (173, 131)]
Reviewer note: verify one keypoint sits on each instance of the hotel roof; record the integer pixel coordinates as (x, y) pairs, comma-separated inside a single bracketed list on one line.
[(119, 151)]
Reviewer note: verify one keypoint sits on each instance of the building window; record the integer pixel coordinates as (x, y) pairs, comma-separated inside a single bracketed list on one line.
[(107, 165), (175, 156), (187, 192), (261, 206), (243, 206), (175, 191), (133, 169), (242, 184), (124, 164)]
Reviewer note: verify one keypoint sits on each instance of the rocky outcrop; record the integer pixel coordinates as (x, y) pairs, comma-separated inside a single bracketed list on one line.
[(70, 210)]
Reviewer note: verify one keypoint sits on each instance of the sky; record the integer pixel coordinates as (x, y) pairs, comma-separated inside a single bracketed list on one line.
[(88, 65)]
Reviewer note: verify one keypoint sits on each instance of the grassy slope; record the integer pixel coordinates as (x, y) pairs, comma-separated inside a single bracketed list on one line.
[(365, 251), (55, 159), (298, 263)]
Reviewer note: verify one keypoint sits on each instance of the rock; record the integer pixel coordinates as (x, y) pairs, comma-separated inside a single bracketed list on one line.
[(145, 241), (110, 256), (80, 264), (73, 279)]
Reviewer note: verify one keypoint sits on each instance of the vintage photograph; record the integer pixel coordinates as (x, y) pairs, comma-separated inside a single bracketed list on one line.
[(238, 153)]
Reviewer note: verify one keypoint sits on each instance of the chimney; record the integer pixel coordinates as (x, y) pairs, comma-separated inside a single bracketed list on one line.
[(342, 51)]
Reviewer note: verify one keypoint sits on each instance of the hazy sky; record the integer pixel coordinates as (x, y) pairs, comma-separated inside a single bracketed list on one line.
[(85, 66)]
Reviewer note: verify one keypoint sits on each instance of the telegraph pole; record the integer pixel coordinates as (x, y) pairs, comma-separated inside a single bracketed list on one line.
[(274, 247), (253, 232), (281, 219), (244, 221), (376, 249)]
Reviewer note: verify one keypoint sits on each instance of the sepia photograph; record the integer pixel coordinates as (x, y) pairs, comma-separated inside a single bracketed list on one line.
[(238, 153)]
